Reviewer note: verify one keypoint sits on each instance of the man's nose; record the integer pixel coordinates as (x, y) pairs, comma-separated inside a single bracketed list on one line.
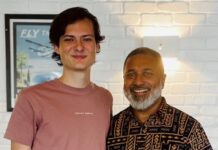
[(139, 80), (79, 45)]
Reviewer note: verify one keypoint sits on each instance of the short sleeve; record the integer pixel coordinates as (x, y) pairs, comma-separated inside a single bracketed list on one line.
[(21, 124), (198, 138)]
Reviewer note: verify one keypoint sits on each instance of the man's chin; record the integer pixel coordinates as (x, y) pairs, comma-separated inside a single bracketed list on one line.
[(139, 99), (141, 103), (138, 106)]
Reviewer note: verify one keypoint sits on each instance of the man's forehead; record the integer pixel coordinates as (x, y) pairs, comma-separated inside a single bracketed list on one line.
[(143, 62), (141, 58)]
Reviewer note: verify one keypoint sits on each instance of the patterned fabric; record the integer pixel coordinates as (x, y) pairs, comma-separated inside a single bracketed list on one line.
[(167, 129)]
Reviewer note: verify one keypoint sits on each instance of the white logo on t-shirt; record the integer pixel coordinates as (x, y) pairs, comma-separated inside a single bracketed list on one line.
[(84, 113)]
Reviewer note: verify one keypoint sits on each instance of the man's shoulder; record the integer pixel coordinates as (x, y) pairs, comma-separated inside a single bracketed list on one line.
[(182, 114), (103, 90), (37, 87), (122, 114)]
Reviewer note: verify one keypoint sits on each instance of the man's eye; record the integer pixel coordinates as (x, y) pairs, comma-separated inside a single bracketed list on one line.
[(130, 75), (68, 39), (147, 73), (88, 39)]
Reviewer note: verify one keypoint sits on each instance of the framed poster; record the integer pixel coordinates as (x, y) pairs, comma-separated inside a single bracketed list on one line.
[(28, 53)]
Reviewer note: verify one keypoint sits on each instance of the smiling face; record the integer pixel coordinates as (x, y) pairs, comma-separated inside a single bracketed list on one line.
[(77, 47), (143, 80)]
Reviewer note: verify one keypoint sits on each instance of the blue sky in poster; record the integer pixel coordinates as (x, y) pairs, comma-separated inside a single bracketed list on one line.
[(33, 40)]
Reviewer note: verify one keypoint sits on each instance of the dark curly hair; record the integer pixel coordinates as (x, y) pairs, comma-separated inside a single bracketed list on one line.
[(67, 17)]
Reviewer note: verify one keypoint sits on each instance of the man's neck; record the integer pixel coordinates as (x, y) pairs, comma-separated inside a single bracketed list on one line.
[(77, 79)]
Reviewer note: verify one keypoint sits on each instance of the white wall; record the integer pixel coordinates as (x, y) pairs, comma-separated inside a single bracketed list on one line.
[(193, 87)]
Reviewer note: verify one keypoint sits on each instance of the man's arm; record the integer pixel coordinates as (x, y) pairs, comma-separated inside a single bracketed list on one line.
[(18, 146)]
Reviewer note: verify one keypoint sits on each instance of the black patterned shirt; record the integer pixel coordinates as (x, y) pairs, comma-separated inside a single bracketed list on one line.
[(167, 129)]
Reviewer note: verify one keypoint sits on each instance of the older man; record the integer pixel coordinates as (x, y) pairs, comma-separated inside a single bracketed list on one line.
[(149, 123)]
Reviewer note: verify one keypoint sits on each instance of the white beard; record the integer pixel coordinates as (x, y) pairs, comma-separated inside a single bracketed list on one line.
[(144, 103)]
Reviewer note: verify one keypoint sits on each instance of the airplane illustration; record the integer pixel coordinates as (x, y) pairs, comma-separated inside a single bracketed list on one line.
[(41, 50)]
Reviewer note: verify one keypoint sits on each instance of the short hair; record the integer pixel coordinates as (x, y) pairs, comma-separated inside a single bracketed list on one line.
[(146, 51), (67, 17)]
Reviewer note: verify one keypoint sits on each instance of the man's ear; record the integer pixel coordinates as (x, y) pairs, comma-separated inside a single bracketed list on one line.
[(56, 49), (163, 80), (98, 48)]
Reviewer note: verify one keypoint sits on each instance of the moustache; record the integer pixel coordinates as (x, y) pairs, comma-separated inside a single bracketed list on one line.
[(137, 87)]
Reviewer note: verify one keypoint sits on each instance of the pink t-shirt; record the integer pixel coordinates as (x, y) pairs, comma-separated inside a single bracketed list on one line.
[(54, 116)]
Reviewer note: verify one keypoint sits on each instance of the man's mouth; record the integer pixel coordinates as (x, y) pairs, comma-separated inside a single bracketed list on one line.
[(79, 57), (141, 91)]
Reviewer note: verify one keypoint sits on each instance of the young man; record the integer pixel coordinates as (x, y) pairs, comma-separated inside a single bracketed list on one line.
[(70, 113), (150, 123)]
